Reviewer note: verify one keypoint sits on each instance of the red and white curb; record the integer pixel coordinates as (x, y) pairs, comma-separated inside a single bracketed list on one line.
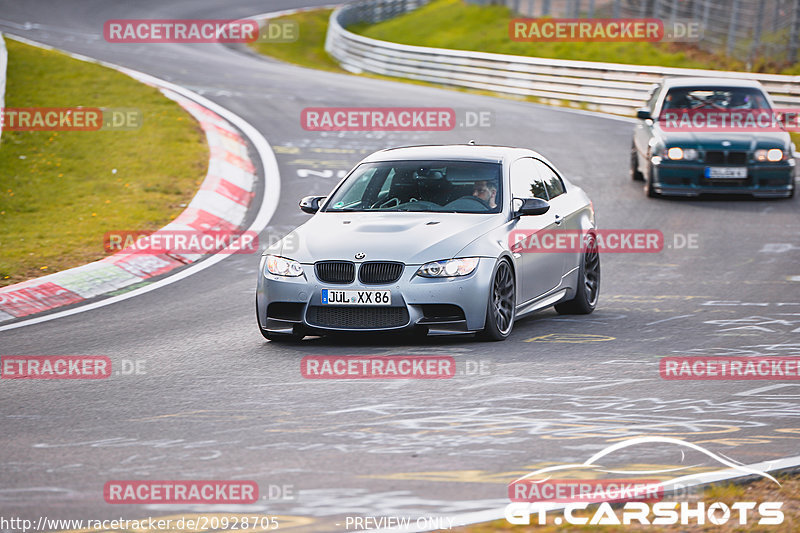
[(221, 204)]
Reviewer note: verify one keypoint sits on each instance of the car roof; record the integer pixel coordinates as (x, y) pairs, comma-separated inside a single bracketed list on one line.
[(711, 82), (453, 152)]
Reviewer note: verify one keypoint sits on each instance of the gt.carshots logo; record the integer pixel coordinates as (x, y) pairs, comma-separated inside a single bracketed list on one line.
[(378, 367), (180, 31), (378, 119), (534, 495), (184, 491)]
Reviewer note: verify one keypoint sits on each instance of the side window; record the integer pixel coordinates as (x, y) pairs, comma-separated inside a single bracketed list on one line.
[(551, 181), (653, 98), (526, 181)]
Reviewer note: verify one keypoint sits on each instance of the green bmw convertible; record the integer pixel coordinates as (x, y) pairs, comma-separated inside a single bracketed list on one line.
[(710, 136)]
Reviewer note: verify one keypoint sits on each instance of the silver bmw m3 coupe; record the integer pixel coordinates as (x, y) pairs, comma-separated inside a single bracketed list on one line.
[(436, 239)]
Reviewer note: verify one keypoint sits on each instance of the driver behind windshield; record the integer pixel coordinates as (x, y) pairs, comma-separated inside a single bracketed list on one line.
[(486, 191)]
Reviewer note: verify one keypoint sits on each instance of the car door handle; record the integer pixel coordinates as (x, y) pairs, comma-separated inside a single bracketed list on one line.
[(559, 220)]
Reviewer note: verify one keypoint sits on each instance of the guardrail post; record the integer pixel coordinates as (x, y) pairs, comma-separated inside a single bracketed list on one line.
[(795, 30), (3, 64), (732, 27), (776, 17), (757, 31)]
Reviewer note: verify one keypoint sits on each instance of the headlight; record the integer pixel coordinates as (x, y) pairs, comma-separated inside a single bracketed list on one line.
[(772, 155), (676, 154), (280, 266), (448, 269)]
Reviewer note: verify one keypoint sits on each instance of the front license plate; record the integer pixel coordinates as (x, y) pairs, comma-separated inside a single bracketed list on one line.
[(335, 297), (737, 173)]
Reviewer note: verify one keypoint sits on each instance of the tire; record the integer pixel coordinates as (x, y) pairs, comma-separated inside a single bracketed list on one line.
[(648, 184), (501, 308), (636, 174), (588, 290), (278, 337)]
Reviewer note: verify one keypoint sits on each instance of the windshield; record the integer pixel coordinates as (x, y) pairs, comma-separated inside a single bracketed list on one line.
[(711, 98), (437, 186)]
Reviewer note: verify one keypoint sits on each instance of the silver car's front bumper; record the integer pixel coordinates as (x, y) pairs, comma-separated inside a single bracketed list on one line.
[(457, 304)]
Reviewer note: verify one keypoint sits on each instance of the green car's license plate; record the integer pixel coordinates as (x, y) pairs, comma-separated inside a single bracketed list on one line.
[(735, 173)]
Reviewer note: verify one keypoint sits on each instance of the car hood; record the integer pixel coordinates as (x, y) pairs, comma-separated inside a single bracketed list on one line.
[(714, 140), (412, 238)]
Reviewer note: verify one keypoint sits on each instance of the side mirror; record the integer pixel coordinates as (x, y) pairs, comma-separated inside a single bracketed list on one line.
[(644, 113), (310, 204), (533, 206)]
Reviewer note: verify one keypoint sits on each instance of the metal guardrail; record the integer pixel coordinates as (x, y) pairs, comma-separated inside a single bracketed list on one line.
[(747, 29), (608, 87), (3, 64)]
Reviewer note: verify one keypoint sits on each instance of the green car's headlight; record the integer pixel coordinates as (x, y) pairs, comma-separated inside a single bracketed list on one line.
[(678, 154), (449, 268), (281, 266), (773, 155)]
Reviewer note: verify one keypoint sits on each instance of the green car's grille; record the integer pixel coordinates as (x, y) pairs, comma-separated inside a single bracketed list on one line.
[(725, 157)]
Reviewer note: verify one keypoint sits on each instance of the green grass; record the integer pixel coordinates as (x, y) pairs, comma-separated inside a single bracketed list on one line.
[(309, 49), (459, 25), (61, 191)]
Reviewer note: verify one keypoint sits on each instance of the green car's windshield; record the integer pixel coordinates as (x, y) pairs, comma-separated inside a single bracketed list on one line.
[(715, 98), (435, 186)]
